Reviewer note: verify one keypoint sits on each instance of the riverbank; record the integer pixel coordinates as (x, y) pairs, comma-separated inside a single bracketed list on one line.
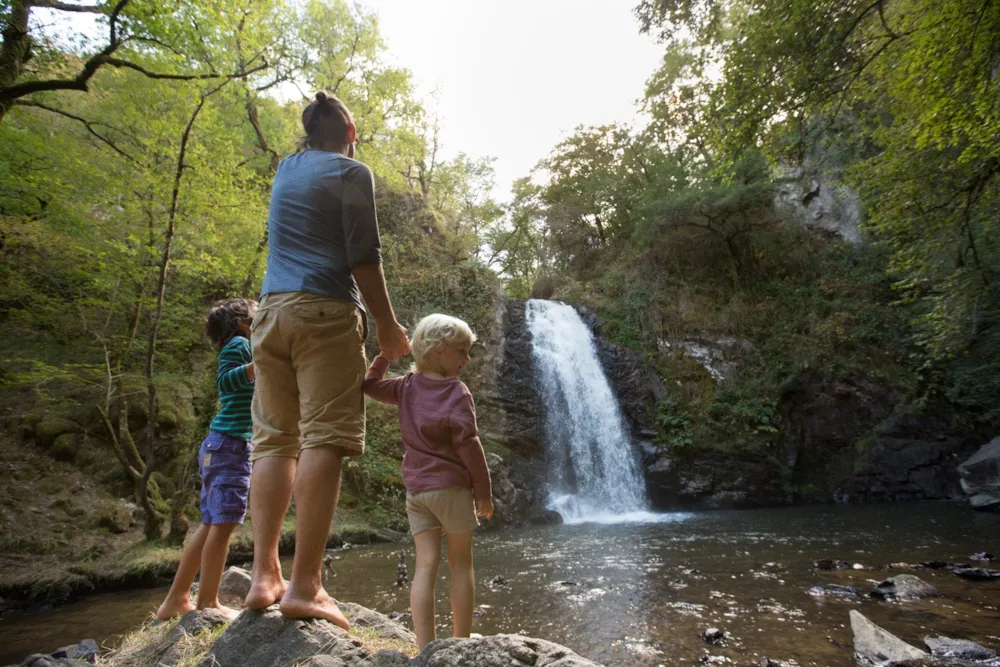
[(65, 536)]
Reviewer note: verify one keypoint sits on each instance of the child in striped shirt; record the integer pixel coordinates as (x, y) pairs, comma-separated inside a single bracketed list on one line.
[(224, 464)]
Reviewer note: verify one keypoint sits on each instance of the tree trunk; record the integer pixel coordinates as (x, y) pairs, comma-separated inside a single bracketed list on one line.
[(16, 49), (154, 522)]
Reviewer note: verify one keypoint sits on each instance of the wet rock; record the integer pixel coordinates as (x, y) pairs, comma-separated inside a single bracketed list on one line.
[(567, 583), (498, 580), (904, 587), (75, 655), (875, 647), (714, 636), (977, 573), (545, 517), (943, 648), (980, 477), (518, 493), (86, 650), (981, 556), (497, 651), (940, 565), (39, 660), (235, 582), (767, 662), (510, 398), (714, 660), (835, 591), (827, 564)]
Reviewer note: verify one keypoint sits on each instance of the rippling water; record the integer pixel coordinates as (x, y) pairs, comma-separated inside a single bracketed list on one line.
[(640, 593)]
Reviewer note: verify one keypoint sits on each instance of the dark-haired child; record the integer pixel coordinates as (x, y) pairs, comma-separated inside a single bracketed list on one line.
[(224, 464)]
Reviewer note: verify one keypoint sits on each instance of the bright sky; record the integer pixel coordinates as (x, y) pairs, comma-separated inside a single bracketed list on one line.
[(514, 77)]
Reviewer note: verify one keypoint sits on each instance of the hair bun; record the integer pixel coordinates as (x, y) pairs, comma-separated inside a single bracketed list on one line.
[(321, 97)]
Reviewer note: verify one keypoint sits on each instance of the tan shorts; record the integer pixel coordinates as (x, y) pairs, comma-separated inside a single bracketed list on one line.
[(309, 360), (451, 509)]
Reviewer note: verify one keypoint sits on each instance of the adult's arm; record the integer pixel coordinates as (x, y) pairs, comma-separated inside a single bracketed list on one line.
[(364, 257)]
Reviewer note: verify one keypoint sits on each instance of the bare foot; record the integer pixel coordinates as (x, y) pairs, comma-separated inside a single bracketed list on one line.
[(174, 607), (228, 612), (320, 605), (265, 591)]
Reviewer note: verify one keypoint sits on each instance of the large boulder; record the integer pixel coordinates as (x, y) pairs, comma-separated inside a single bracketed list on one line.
[(980, 476), (498, 651), (268, 639), (518, 491), (875, 647)]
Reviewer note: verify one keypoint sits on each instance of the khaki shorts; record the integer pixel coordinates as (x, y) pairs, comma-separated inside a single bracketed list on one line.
[(309, 360), (451, 509)]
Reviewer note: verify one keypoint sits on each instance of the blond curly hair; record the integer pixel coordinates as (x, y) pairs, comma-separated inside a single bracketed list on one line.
[(436, 331)]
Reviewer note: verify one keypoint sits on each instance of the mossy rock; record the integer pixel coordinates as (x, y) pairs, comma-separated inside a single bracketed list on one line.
[(175, 403), (85, 456), (115, 518), (65, 447), (51, 428), (27, 424)]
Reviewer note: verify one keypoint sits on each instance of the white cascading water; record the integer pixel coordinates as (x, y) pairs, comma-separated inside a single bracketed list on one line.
[(594, 474)]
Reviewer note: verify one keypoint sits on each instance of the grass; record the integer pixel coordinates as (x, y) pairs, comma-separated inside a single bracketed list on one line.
[(373, 642), (145, 646)]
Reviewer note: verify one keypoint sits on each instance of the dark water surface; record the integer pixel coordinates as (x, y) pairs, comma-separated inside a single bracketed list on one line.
[(642, 593)]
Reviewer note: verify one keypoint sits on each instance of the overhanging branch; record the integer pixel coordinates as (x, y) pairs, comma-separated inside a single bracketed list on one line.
[(66, 7), (90, 125)]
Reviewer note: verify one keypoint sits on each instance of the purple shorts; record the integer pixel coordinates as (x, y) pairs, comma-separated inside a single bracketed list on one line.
[(224, 464)]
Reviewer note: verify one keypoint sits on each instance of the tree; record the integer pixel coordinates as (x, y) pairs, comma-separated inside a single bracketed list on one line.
[(906, 88), (188, 43)]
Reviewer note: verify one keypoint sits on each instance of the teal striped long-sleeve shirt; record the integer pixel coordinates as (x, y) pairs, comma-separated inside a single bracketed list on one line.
[(235, 390)]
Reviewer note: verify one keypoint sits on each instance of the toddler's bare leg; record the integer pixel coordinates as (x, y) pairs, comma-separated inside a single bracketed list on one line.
[(463, 582), (428, 544)]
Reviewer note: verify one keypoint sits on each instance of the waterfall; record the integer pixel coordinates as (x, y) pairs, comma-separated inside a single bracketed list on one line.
[(594, 474)]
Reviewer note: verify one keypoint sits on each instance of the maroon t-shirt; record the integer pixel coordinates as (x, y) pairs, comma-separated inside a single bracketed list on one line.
[(437, 418)]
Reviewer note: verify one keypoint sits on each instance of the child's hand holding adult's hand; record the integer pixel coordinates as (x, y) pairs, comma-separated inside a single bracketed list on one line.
[(392, 340), (485, 508)]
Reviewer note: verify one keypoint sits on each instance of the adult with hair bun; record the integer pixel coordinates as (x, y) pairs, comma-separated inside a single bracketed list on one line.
[(308, 347)]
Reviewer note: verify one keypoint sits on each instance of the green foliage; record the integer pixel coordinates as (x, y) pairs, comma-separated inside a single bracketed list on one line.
[(901, 92), (146, 183)]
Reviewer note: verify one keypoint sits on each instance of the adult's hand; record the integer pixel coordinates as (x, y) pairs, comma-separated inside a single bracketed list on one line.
[(392, 340)]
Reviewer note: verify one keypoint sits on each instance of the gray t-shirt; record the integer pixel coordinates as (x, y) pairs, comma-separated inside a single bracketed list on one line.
[(321, 224)]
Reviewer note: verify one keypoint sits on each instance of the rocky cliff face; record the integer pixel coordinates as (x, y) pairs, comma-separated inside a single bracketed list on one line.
[(509, 401)]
